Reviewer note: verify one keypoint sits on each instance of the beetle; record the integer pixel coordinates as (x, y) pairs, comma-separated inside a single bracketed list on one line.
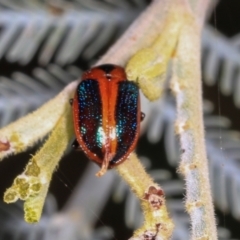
[(106, 116)]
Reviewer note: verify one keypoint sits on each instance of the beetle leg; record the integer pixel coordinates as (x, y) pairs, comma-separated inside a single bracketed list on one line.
[(71, 101), (76, 145), (142, 116)]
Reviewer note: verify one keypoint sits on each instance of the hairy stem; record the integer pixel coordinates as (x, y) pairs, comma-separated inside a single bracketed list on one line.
[(157, 222), (32, 185), (141, 33), (186, 84), (25, 132)]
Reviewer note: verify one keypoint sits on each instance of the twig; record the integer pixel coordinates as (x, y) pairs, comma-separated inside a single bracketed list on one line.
[(186, 84), (143, 31), (157, 222)]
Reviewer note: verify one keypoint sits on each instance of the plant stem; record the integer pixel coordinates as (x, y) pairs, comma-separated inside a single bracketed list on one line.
[(141, 33), (186, 84), (157, 222)]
